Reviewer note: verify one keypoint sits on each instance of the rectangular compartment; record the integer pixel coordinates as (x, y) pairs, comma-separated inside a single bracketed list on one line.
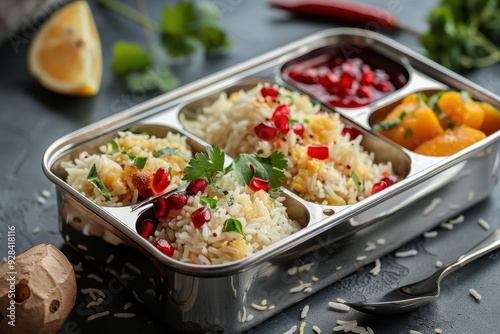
[(219, 298)]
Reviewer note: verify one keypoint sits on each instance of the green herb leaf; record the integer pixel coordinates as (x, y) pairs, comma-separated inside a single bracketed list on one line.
[(386, 125), (211, 202), (113, 146), (128, 57), (93, 178), (170, 151), (161, 78), (355, 178), (140, 162), (408, 133), (230, 200), (205, 165), (270, 168), (233, 225)]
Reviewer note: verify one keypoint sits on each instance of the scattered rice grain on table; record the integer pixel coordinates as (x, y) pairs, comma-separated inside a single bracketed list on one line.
[(484, 224), (475, 294), (329, 181), (411, 252)]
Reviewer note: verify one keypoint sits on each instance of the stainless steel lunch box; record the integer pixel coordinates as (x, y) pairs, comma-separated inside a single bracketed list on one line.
[(236, 296)]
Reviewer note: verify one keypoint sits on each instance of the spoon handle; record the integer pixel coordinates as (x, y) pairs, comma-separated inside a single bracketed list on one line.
[(490, 243)]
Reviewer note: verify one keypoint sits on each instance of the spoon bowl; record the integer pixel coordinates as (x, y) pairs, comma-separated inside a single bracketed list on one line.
[(413, 296)]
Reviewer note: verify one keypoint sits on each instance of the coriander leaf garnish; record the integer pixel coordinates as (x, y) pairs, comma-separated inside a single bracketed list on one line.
[(93, 178), (233, 225), (386, 125), (408, 133), (211, 202), (355, 178), (205, 166), (128, 57), (113, 146), (170, 151), (271, 168), (230, 200), (140, 162)]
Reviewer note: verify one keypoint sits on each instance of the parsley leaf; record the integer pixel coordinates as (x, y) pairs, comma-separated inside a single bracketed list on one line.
[(93, 178), (211, 202), (270, 168), (205, 165), (149, 79), (233, 225), (128, 57), (140, 162), (170, 151), (113, 146)]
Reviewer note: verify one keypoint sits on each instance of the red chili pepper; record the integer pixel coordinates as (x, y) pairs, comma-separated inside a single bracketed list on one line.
[(354, 12)]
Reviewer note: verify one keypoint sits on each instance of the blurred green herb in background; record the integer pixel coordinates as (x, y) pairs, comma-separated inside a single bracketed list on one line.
[(463, 34), (184, 27)]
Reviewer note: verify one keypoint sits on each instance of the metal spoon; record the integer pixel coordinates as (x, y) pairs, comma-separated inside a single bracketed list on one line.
[(410, 297)]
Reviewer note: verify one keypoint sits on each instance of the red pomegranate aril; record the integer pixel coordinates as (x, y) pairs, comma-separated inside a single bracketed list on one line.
[(266, 131), (299, 129), (161, 180), (346, 80), (201, 216), (176, 201), (269, 91), (196, 186), (353, 132), (145, 227), (282, 109), (161, 208), (319, 152), (309, 76), (328, 80), (281, 122), (295, 75), (390, 180), (379, 186), (384, 86), (367, 78), (365, 91), (165, 247), (257, 184)]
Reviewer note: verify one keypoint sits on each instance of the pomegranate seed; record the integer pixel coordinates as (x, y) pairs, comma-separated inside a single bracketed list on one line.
[(353, 132), (367, 78), (364, 91), (390, 180), (269, 91), (309, 76), (384, 86), (161, 208), (145, 227), (282, 109), (346, 80), (161, 180), (319, 152), (201, 216), (281, 122), (299, 129), (177, 201), (196, 186), (257, 184), (379, 186), (295, 75), (165, 247), (266, 131), (328, 80)]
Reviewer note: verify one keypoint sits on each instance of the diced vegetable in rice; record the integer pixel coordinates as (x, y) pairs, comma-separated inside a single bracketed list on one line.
[(346, 176), (126, 165)]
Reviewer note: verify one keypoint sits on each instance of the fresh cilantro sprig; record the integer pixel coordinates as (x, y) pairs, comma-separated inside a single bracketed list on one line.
[(93, 178), (463, 35), (243, 168), (184, 26)]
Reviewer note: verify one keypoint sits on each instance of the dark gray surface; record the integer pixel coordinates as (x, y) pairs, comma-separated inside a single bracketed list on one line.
[(31, 118)]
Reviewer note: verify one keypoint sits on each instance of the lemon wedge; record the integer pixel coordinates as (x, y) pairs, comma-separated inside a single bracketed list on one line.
[(65, 54)]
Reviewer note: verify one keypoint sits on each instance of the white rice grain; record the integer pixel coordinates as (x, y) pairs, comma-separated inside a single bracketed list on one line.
[(127, 306), (408, 253), (381, 242), (475, 294), (458, 220), (301, 287), (439, 264), (470, 196), (370, 246), (339, 306), (316, 329), (432, 206), (438, 330), (95, 277), (36, 230), (340, 300), (361, 258), (484, 224), (454, 207), (259, 307), (98, 315), (304, 312), (431, 234), (291, 330), (447, 226), (41, 200), (124, 315), (376, 270), (45, 193), (414, 332)]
